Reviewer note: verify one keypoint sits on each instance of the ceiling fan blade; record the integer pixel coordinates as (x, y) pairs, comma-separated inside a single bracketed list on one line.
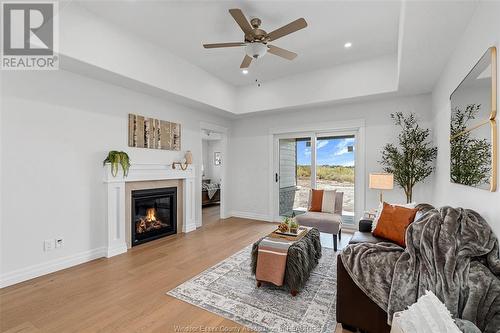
[(287, 29), (242, 21), (281, 52), (212, 46), (246, 62)]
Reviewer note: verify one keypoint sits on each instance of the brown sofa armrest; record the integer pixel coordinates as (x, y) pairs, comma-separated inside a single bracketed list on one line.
[(365, 225), (354, 308)]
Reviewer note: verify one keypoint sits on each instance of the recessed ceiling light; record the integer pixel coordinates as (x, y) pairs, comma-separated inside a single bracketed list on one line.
[(347, 45), (245, 71)]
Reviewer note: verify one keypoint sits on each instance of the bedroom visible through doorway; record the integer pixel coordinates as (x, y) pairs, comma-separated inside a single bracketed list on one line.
[(213, 147)]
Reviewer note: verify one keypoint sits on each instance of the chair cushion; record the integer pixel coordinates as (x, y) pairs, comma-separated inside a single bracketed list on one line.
[(365, 237), (324, 222)]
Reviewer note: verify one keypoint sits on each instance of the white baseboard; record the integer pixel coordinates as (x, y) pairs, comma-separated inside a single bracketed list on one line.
[(111, 252), (51, 266), (189, 228), (253, 216)]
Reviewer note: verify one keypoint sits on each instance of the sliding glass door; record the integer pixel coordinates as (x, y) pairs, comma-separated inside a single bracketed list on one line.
[(294, 176), (318, 160), (335, 166)]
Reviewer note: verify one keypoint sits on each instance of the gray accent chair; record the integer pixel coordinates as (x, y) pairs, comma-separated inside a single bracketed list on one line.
[(330, 223)]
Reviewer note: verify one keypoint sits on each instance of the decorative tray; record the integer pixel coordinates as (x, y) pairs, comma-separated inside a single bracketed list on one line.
[(287, 233)]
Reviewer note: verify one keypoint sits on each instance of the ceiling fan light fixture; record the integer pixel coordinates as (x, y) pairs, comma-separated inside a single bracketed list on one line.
[(255, 39), (256, 50)]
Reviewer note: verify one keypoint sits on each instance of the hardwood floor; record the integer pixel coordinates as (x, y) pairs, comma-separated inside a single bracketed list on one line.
[(210, 214), (127, 293)]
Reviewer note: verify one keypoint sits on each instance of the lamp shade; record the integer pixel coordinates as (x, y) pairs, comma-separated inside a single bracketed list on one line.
[(381, 181), (189, 157)]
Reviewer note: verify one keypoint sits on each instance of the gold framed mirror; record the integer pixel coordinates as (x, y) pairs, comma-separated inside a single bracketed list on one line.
[(473, 128)]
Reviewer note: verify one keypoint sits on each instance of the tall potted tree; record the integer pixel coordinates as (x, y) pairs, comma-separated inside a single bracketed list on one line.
[(470, 156), (411, 160)]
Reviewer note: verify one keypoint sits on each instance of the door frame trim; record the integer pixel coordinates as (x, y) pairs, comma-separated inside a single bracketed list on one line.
[(222, 188)]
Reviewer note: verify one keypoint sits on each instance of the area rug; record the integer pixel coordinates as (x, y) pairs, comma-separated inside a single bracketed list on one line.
[(229, 290)]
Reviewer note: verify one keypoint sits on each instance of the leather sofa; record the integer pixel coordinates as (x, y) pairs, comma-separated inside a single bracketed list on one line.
[(355, 310)]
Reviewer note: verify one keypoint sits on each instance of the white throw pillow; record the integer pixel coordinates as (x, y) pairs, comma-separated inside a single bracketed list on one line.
[(410, 205), (427, 315), (327, 203)]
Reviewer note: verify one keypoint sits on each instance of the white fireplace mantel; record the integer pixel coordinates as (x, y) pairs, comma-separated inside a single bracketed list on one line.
[(115, 189)]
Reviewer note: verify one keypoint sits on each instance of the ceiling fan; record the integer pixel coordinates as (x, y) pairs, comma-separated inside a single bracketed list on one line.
[(256, 40)]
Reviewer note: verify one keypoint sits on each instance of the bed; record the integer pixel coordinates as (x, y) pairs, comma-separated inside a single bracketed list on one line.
[(210, 192)]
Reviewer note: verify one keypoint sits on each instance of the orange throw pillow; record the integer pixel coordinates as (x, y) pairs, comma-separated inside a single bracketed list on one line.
[(316, 201), (393, 222)]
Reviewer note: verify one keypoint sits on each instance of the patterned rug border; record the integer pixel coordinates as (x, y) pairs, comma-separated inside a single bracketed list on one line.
[(285, 324)]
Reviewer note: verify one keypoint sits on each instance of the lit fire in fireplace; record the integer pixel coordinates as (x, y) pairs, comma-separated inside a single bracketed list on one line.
[(148, 222), (150, 214)]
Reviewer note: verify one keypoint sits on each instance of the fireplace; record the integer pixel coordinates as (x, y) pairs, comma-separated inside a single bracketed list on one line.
[(154, 214)]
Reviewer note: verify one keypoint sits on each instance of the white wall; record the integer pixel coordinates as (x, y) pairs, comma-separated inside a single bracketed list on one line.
[(90, 39), (204, 151), (250, 172), (56, 129), (214, 172), (483, 31), (342, 82)]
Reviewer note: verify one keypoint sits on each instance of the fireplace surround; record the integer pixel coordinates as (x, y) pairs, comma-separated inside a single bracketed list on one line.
[(145, 176), (154, 214)]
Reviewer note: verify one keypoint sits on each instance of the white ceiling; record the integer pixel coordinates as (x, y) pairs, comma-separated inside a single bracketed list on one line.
[(429, 40), (182, 27), (398, 48)]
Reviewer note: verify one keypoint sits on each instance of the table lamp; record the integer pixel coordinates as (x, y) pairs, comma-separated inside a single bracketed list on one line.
[(381, 181)]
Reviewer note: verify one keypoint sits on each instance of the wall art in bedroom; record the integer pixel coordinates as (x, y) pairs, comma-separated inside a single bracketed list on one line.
[(217, 158), (144, 132)]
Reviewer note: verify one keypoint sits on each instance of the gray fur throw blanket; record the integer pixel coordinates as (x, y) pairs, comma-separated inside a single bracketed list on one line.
[(303, 256), (449, 251)]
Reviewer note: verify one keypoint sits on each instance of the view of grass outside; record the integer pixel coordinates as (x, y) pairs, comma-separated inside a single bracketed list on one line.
[(337, 173), (335, 169)]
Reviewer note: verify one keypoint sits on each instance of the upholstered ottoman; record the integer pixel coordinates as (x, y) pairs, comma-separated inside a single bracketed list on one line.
[(302, 258)]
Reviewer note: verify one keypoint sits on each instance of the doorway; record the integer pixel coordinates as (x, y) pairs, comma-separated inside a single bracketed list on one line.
[(213, 152), (315, 160)]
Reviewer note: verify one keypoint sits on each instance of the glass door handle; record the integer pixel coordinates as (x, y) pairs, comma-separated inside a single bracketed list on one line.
[(276, 177)]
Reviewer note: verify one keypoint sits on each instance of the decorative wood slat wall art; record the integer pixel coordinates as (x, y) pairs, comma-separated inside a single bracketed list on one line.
[(144, 132)]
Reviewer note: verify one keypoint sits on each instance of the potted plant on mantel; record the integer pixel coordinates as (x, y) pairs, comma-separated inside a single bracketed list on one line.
[(116, 158), (412, 160)]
